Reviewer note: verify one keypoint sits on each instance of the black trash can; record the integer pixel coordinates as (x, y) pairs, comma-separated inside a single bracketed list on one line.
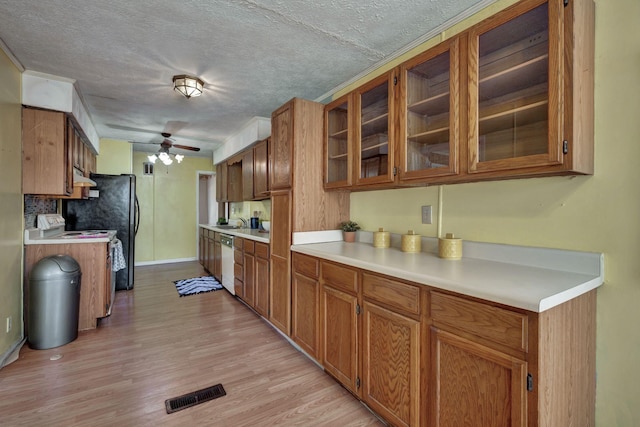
[(54, 302)]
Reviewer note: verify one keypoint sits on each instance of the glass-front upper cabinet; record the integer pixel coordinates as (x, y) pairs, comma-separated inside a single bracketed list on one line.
[(374, 156), (429, 113), (515, 69), (338, 130)]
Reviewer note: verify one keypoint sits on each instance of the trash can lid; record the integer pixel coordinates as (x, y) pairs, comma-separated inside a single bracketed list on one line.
[(54, 265)]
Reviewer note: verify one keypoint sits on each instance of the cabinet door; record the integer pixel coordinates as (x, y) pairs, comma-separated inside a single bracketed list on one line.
[(262, 286), (221, 182), (249, 276), (234, 180), (515, 89), (261, 170), (210, 253), (374, 155), (475, 385), (247, 175), (429, 107), (391, 365), (338, 144), (280, 271), (281, 148), (339, 331), (305, 312)]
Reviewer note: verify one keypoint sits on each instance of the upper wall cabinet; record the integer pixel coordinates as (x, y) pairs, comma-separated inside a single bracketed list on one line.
[(429, 110), (47, 153), (510, 97), (374, 131), (338, 135)]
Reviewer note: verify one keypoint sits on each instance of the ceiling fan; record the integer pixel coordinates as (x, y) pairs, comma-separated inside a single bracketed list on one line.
[(163, 153)]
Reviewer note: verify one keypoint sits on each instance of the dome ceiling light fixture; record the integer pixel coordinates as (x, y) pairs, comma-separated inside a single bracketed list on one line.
[(187, 85)]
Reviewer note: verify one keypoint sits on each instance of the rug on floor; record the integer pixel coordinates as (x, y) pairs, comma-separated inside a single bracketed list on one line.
[(197, 285)]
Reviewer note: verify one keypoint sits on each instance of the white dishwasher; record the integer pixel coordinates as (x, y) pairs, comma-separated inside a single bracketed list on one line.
[(226, 243)]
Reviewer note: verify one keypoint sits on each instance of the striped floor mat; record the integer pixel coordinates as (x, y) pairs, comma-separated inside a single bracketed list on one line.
[(197, 285)]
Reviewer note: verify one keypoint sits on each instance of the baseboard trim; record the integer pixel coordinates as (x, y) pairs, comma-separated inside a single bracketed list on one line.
[(164, 261), (12, 354)]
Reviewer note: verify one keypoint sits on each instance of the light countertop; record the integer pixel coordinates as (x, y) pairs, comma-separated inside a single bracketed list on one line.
[(247, 233), (33, 237), (534, 279)]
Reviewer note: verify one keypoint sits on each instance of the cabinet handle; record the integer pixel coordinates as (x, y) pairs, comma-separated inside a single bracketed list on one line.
[(529, 382)]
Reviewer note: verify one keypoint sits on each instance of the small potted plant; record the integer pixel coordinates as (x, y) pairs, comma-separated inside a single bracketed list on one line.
[(349, 229)]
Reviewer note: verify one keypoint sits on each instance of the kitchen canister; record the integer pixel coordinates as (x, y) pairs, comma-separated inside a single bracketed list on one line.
[(450, 247), (411, 242), (381, 238)]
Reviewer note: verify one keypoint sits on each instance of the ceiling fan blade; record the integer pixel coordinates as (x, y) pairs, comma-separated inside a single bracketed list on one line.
[(186, 147)]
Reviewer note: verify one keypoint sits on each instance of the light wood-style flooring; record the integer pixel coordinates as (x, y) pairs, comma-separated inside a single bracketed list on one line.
[(156, 346)]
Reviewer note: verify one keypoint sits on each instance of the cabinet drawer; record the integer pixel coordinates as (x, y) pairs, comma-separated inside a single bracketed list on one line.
[(495, 324), (249, 246), (262, 250), (238, 243), (306, 265), (340, 277), (237, 257), (238, 272), (391, 292)]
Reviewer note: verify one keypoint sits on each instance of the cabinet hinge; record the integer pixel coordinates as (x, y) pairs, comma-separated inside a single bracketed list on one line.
[(565, 146), (395, 170), (358, 382), (566, 3), (529, 382), (395, 80), (357, 308)]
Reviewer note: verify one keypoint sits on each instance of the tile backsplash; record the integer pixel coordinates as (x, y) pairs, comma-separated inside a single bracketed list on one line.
[(37, 205)]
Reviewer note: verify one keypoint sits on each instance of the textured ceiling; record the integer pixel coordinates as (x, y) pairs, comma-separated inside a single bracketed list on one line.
[(253, 55)]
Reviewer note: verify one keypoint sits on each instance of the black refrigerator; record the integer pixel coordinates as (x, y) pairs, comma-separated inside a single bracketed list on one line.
[(115, 208)]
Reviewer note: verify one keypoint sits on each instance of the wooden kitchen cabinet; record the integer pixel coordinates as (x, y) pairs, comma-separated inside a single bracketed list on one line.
[(392, 348), (47, 153), (281, 148), (261, 271), (280, 267), (300, 204), (247, 174), (210, 252), (338, 140), (479, 363), (221, 182), (374, 127), (251, 273), (429, 113), (339, 309), (95, 283), (217, 257), (511, 96), (305, 304), (261, 170)]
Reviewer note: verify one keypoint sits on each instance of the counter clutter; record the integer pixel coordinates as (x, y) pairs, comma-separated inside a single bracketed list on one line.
[(534, 279)]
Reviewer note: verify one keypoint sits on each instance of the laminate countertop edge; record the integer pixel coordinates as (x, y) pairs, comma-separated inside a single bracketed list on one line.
[(530, 287), (246, 233)]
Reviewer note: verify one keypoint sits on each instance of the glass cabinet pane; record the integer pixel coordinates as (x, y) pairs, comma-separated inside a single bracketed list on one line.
[(337, 144), (374, 132), (513, 88), (428, 114)]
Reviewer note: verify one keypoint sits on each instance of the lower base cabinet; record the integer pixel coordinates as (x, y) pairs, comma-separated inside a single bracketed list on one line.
[(251, 273), (419, 356), (210, 252), (95, 283)]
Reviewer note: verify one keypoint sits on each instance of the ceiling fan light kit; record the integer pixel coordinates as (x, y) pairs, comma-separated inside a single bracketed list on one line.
[(187, 85)]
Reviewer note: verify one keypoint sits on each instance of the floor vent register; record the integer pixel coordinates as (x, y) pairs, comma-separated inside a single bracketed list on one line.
[(194, 398)]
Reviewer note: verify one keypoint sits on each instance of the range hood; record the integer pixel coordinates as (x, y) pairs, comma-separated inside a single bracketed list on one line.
[(80, 180)]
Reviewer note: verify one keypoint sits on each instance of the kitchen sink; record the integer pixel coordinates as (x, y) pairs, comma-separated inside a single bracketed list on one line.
[(227, 227)]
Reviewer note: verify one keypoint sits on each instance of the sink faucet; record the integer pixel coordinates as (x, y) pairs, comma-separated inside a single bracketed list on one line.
[(244, 222)]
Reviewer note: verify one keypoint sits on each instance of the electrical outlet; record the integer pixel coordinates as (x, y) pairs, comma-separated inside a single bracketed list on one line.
[(426, 215), (8, 324)]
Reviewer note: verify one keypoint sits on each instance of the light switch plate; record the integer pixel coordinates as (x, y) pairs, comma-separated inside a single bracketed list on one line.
[(426, 215)]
